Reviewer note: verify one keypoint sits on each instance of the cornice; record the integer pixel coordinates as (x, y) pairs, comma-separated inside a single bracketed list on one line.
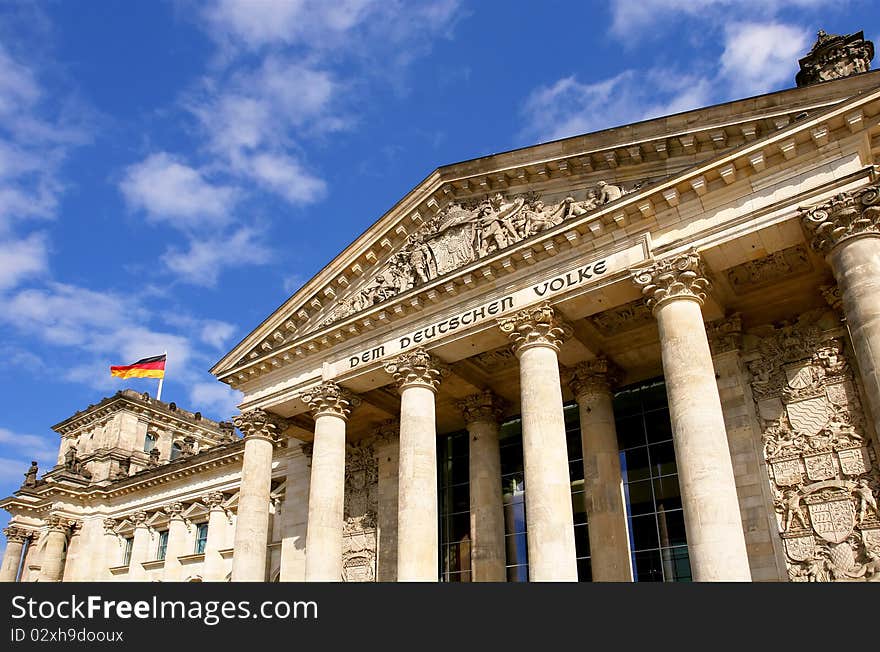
[(631, 212)]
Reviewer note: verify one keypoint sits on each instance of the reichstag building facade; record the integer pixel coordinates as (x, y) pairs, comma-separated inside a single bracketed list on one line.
[(650, 353)]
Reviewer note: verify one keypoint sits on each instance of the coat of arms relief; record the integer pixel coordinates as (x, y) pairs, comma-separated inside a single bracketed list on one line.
[(822, 468), (360, 512)]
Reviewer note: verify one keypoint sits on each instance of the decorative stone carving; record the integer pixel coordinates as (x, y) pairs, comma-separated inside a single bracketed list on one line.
[(124, 468), (676, 277), (30, 476), (110, 525), (330, 398), (820, 466), (174, 510), (845, 215), (765, 271), (138, 519), (259, 423), (154, 458), (535, 326), (463, 232), (623, 318), (493, 361), (60, 523), (213, 500), (594, 377), (483, 406), (73, 464), (831, 294), (16, 534), (387, 432), (416, 367), (360, 513), (725, 335), (834, 56)]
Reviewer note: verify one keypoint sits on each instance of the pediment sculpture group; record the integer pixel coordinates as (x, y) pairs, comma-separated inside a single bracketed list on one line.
[(466, 231)]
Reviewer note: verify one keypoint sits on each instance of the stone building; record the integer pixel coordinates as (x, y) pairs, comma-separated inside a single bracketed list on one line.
[(646, 353)]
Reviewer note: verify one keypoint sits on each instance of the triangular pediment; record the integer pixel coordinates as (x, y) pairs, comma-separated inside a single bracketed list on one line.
[(520, 201)]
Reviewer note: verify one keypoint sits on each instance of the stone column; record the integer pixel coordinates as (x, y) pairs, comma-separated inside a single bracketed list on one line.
[(73, 561), (295, 516), (140, 548), (418, 377), (250, 545), (15, 540), (330, 405), (52, 563), (213, 569), (603, 485), (675, 290), (536, 334), (177, 539), (482, 413), (111, 549), (846, 229), (388, 452)]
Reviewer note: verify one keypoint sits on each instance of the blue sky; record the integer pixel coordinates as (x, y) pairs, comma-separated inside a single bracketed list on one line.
[(171, 171)]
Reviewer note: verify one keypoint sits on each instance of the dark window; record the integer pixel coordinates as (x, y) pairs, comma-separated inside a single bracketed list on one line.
[(201, 537), (175, 451), (163, 544), (126, 551), (150, 442)]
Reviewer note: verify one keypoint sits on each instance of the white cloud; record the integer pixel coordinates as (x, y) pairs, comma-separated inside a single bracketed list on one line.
[(293, 283), (216, 333), (19, 449), (20, 259), (285, 176), (217, 397), (202, 263), (168, 190), (758, 57)]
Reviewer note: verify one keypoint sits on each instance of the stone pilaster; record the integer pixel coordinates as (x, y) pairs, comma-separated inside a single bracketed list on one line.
[(846, 229), (261, 430), (16, 537), (675, 289), (111, 547), (52, 563), (330, 405), (388, 452), (482, 415), (177, 540), (140, 547), (213, 569), (418, 377), (73, 558), (610, 558), (295, 515), (536, 334)]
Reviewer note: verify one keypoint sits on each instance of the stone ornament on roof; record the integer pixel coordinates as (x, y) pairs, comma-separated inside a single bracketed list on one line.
[(465, 231), (835, 56)]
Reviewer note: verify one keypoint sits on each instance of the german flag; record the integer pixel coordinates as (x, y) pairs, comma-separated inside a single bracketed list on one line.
[(147, 368)]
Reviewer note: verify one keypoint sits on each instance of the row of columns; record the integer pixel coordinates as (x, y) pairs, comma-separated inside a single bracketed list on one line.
[(846, 229)]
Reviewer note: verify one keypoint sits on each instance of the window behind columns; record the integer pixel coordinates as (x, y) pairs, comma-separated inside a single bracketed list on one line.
[(647, 459)]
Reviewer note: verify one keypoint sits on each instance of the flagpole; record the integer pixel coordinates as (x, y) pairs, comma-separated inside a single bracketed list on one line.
[(162, 379)]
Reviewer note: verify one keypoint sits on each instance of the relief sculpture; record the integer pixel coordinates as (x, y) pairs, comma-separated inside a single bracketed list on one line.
[(464, 232), (360, 512), (822, 470)]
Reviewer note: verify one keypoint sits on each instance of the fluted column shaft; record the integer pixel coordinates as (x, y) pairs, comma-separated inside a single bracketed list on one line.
[(847, 230), (482, 413), (536, 335), (52, 563), (675, 289), (330, 405), (15, 540), (610, 558), (250, 544), (418, 377)]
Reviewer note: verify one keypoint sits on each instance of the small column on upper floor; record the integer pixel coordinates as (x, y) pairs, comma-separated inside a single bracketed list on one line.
[(846, 230), (536, 334), (140, 547), (250, 547), (418, 377), (16, 537), (482, 415), (610, 558), (177, 538), (214, 569), (331, 406), (675, 289), (111, 549)]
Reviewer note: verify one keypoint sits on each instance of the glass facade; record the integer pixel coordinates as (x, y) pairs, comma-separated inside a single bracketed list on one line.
[(653, 502)]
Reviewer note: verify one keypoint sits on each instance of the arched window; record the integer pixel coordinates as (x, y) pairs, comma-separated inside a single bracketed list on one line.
[(176, 450), (150, 442)]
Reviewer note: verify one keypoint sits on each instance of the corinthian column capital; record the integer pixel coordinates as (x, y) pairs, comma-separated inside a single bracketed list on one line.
[(847, 215), (59, 523), (174, 510), (535, 326), (416, 368), (260, 424), (484, 406), (16, 534), (593, 377), (330, 399), (677, 277), (110, 525), (213, 500)]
